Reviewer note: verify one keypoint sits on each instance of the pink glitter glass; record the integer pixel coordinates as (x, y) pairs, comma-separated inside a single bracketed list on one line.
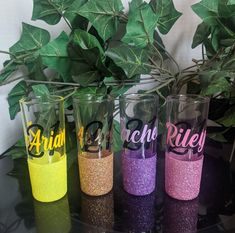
[(183, 177), (186, 132)]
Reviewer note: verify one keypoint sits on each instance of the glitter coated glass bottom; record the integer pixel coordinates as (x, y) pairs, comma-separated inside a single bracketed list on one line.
[(48, 181), (139, 175), (96, 174)]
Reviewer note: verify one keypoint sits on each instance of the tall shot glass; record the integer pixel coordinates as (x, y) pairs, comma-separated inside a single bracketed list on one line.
[(139, 117), (94, 122), (186, 121), (44, 131)]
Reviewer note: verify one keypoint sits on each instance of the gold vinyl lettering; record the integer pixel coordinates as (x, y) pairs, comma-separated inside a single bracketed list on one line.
[(80, 136)]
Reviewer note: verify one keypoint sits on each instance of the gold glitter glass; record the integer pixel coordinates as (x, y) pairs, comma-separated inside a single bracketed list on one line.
[(44, 130), (94, 117)]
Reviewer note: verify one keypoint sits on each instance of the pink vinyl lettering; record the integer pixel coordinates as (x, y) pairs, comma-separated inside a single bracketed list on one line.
[(179, 137)]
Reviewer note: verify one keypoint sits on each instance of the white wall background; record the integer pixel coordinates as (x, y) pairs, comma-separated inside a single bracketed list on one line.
[(14, 12)]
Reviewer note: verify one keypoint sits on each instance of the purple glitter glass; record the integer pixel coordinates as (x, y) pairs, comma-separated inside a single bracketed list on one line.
[(138, 121), (139, 175)]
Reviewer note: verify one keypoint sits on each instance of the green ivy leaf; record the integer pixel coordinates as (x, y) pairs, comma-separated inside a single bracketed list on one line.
[(117, 73), (86, 41), (32, 39), (87, 76), (231, 2), (7, 71), (117, 141), (218, 22), (36, 70), (215, 38), (158, 43), (228, 120), (92, 90), (116, 91), (87, 63), (228, 63), (219, 137), (55, 56), (207, 10), (141, 25), (218, 84), (167, 14), (50, 11), (76, 20), (202, 33), (40, 90), (18, 92), (131, 59), (86, 90), (103, 15)]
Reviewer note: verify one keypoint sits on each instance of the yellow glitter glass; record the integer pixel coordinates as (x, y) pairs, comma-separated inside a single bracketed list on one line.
[(94, 117), (44, 130)]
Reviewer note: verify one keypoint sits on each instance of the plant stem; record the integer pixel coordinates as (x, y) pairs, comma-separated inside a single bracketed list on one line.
[(159, 54), (92, 84), (184, 80), (7, 65), (161, 86), (149, 65), (55, 83), (203, 54), (158, 67), (160, 94), (60, 13), (169, 55), (9, 53), (123, 17), (67, 22), (65, 89), (16, 60), (190, 67), (14, 79), (70, 94)]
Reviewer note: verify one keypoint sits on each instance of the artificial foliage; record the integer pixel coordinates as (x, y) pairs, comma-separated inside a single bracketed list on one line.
[(106, 49)]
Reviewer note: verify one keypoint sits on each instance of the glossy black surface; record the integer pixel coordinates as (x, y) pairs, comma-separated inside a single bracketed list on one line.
[(212, 212)]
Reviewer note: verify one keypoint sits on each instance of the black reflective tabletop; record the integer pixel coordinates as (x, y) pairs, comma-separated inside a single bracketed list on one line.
[(213, 211)]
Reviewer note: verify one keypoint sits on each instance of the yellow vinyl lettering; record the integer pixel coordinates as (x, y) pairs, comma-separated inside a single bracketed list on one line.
[(35, 142), (51, 139), (57, 141), (45, 143)]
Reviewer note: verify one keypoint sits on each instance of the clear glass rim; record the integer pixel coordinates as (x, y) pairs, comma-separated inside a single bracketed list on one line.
[(92, 98), (188, 98), (51, 99), (140, 97)]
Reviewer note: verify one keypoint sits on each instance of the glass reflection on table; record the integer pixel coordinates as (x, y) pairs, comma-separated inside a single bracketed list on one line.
[(139, 212), (53, 216), (98, 211), (180, 216)]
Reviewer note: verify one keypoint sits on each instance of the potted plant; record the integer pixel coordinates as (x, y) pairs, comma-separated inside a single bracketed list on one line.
[(107, 50)]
